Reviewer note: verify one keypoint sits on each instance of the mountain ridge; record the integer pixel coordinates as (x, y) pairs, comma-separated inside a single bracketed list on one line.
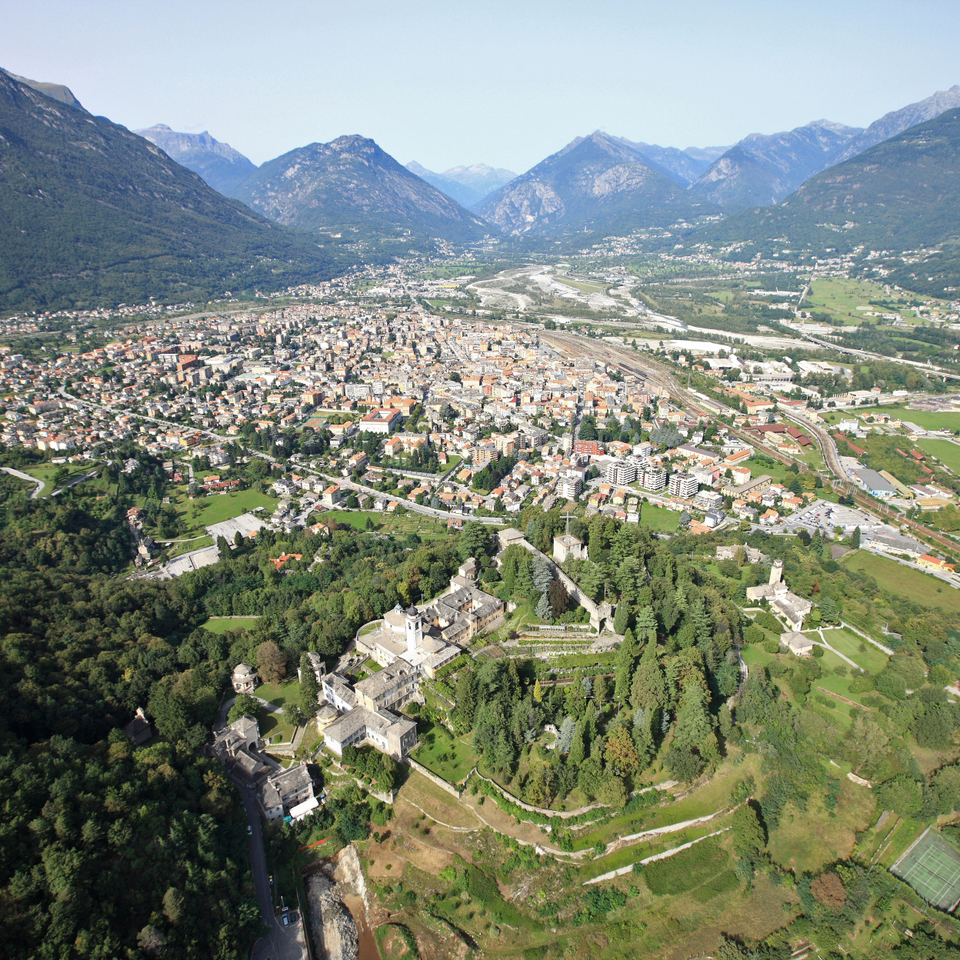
[(219, 164), (899, 195), (762, 169), (596, 184), (465, 184), (91, 213), (352, 186)]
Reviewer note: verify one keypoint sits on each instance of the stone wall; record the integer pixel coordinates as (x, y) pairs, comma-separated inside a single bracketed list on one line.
[(430, 775)]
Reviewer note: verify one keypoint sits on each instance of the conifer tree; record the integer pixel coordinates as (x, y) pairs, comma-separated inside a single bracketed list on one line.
[(627, 657)]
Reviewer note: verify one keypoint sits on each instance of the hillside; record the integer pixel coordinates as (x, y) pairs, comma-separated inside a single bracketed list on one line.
[(93, 214), (898, 196), (760, 170), (352, 189), (217, 163), (599, 185)]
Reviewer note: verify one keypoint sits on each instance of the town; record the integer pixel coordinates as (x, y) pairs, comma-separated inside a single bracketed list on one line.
[(531, 482)]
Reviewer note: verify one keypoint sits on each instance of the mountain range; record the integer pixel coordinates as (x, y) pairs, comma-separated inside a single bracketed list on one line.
[(466, 185), (91, 213), (899, 195), (217, 163)]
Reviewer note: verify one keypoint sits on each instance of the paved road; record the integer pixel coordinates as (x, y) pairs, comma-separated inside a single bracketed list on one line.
[(279, 943), (26, 476)]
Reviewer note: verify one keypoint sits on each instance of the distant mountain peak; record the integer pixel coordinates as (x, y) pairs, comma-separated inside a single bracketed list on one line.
[(764, 168), (467, 184), (598, 184), (91, 213), (222, 167)]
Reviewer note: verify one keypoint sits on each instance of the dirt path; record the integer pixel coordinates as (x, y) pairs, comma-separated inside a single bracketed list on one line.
[(836, 696)]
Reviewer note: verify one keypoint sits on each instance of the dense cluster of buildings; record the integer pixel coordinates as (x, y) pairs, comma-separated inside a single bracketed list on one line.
[(406, 645)]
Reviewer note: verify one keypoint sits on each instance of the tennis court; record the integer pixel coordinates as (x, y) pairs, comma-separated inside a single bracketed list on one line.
[(931, 866)]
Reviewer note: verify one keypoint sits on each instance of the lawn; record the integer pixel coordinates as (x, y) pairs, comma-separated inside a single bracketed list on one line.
[(449, 757), (284, 695), (47, 471), (945, 451), (200, 513), (353, 518), (857, 649), (225, 624), (778, 471), (659, 519), (915, 585)]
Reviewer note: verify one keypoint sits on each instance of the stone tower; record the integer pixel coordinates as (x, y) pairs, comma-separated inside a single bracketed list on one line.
[(776, 572), (414, 624)]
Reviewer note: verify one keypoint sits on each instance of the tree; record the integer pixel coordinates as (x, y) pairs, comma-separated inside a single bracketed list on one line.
[(474, 541), (627, 657), (648, 690), (244, 705), (828, 889), (749, 838), (565, 736), (309, 688), (271, 662), (855, 539), (620, 752), (828, 610), (542, 573), (867, 740), (621, 619), (543, 610)]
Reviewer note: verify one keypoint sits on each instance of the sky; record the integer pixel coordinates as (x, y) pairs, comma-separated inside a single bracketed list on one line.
[(503, 82)]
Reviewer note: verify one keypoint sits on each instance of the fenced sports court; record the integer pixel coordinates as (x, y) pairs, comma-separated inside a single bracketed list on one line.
[(931, 866)]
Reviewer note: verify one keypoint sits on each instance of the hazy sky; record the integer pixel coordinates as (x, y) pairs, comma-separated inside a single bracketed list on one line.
[(504, 82)]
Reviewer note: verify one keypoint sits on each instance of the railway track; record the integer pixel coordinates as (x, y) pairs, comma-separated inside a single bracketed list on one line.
[(650, 370)]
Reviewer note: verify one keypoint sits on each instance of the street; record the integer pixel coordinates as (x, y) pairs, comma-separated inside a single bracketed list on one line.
[(280, 943)]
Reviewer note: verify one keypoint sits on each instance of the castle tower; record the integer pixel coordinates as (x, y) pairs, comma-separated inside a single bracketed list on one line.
[(414, 625), (776, 572)]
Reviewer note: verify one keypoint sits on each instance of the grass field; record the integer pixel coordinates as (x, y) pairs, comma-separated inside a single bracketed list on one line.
[(353, 518), (584, 286), (47, 471), (448, 757), (857, 649), (659, 519), (929, 420), (225, 624), (945, 451), (808, 839), (283, 695), (200, 513), (923, 588), (841, 297), (931, 866)]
